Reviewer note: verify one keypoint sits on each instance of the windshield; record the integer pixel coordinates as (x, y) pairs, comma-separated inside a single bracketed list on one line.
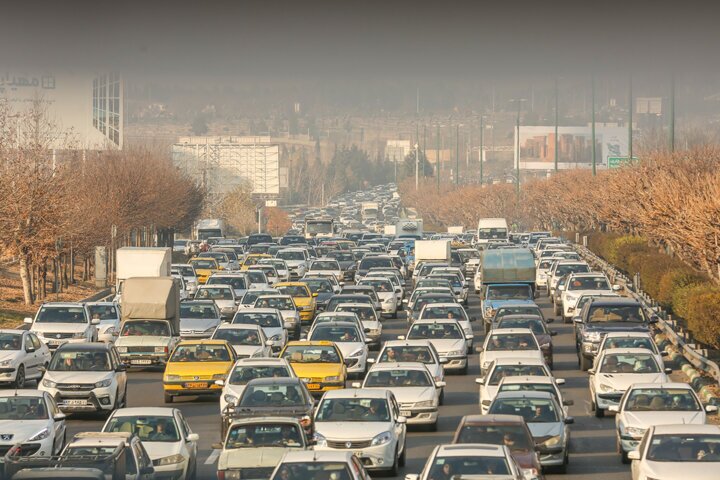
[(364, 313), (608, 314), (200, 353), (324, 265), (285, 255), (468, 466), (145, 327), (452, 279), (294, 290), (398, 378), (511, 341), (442, 331), (281, 303), (466, 255), (318, 227), (104, 312), (515, 437), (61, 315), (630, 342), (319, 286), (214, 293), (252, 295), (662, 399), (238, 283), (371, 262), (147, 428), (184, 270), (313, 471), (238, 336), (529, 387), (10, 341), (353, 410), (588, 283), (533, 410), (311, 354), (535, 324), (204, 264), (335, 334), (265, 320), (427, 300), (23, 408), (242, 374), (432, 282), (629, 363), (565, 269), (80, 361), (407, 354), (198, 311), (283, 395), (492, 233), (456, 312), (509, 292), (502, 371), (265, 435), (684, 448), (342, 256)]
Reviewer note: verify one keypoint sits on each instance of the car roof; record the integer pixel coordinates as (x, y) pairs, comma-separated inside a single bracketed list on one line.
[(87, 346), (338, 323), (478, 419), (256, 420), (12, 330), (197, 302), (528, 379), (463, 449), (428, 321), (310, 343), (149, 411), (422, 342), (588, 274), (668, 385), (691, 429), (510, 331), (91, 439), (622, 301), (525, 394), (628, 334), (620, 351), (352, 304), (62, 304), (520, 361), (517, 316), (398, 366), (261, 361), (204, 341), (274, 381), (442, 305), (215, 285), (26, 392), (356, 393), (307, 456), (517, 304), (231, 326), (259, 310)]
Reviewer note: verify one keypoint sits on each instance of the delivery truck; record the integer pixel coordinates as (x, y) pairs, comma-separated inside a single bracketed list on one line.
[(409, 228), (432, 251), (209, 228), (140, 262)]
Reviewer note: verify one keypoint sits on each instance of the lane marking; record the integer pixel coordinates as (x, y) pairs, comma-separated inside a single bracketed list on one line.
[(213, 457)]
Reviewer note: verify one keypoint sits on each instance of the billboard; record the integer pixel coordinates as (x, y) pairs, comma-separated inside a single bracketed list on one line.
[(574, 145)]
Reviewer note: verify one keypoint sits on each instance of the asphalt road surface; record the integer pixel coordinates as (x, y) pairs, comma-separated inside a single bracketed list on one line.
[(592, 451)]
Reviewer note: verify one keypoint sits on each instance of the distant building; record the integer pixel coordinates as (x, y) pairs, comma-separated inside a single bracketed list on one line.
[(89, 106)]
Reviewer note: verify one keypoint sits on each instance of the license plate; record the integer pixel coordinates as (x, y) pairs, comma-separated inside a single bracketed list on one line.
[(75, 402), (358, 454), (405, 413), (196, 385), (55, 342), (141, 361), (313, 386)]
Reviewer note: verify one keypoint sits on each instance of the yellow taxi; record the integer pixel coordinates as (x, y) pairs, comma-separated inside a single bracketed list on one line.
[(204, 267), (194, 367), (319, 364), (253, 259), (302, 295)]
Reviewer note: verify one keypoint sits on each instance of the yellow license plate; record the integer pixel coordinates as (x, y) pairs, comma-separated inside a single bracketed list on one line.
[(196, 385), (313, 386)]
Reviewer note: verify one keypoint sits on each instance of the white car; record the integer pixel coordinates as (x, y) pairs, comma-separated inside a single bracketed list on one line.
[(507, 367), (648, 404), (448, 338), (33, 419), (385, 292), (269, 270), (450, 310), (366, 422), (618, 368), (336, 284), (395, 277), (541, 272), (247, 369), (470, 460), (22, 357), (509, 343), (86, 378), (414, 389), (146, 342), (198, 319), (414, 351), (59, 323), (677, 451), (109, 315), (223, 296), (535, 384), (271, 321), (166, 436), (188, 273), (318, 464), (286, 305), (296, 259), (632, 340), (349, 339), (563, 267), (281, 268), (369, 318), (582, 284), (238, 281), (248, 340), (325, 265)]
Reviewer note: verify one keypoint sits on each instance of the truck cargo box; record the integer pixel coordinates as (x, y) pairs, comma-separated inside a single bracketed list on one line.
[(508, 265)]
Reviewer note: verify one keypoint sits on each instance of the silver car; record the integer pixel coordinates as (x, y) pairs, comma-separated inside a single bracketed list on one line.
[(198, 319)]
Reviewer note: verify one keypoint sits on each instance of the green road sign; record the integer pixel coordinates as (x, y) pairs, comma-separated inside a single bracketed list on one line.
[(615, 162)]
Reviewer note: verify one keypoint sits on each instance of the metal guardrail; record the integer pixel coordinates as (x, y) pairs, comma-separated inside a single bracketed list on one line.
[(665, 322)]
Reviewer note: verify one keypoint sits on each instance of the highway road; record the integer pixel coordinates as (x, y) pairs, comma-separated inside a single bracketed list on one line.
[(592, 453)]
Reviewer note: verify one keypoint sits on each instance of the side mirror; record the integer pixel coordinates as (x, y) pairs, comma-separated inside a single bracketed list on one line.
[(315, 294), (668, 370), (401, 337), (193, 437), (654, 319), (473, 319), (577, 319), (568, 403), (268, 343), (553, 333), (561, 288), (480, 380), (397, 290), (550, 320), (633, 455), (442, 384), (27, 320), (569, 420), (368, 340), (404, 301), (216, 446), (220, 383), (121, 368), (29, 349), (58, 417), (443, 360), (591, 371), (711, 409), (370, 360), (42, 369), (616, 288), (664, 353), (560, 381), (402, 420), (469, 337), (95, 321), (356, 384)]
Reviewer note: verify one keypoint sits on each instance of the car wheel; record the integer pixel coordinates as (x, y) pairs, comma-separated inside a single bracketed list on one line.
[(585, 363), (192, 472), (20, 378), (393, 471), (124, 402), (401, 460), (441, 399), (599, 412), (168, 398), (563, 468)]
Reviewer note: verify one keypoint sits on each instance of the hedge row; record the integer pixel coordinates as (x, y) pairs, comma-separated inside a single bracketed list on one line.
[(677, 287)]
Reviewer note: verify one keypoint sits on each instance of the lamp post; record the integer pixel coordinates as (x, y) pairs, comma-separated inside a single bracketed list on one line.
[(480, 150), (517, 142), (594, 149), (557, 121), (417, 166)]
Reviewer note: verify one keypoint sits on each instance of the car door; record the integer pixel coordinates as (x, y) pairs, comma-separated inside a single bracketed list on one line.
[(58, 426), (189, 446), (44, 354), (142, 461), (121, 374), (400, 428), (267, 351), (29, 357)]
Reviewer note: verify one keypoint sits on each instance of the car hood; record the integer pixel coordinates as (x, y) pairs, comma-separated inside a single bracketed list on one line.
[(197, 323), (347, 431), (694, 470), (323, 296), (345, 265), (615, 327), (20, 430), (289, 314), (443, 346), (348, 347), (495, 304), (545, 429), (303, 301), (9, 355), (251, 457), (247, 350), (197, 368), (76, 377), (272, 331), (225, 303), (294, 263), (648, 419), (371, 324), (142, 340), (413, 394), (161, 449), (59, 327), (310, 370), (382, 296), (502, 354), (622, 381)]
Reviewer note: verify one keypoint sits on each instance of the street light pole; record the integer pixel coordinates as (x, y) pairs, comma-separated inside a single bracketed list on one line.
[(557, 121), (672, 114), (630, 119), (437, 157), (594, 152), (517, 142), (417, 167), (457, 155), (480, 151)]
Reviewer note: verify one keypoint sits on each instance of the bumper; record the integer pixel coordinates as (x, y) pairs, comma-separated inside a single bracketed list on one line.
[(421, 416), (7, 374), (97, 400), (320, 388), (179, 389), (389, 308), (455, 363), (373, 458), (607, 400), (53, 343), (307, 315), (143, 360)]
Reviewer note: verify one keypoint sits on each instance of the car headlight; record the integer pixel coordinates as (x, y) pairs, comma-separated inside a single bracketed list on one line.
[(635, 432), (169, 460), (320, 440), (426, 403), (170, 378), (381, 439), (530, 473), (110, 331), (161, 349), (122, 349), (455, 353), (6, 363), (231, 399), (104, 383), (553, 441), (335, 378), (275, 338), (356, 353), (47, 383), (79, 335), (592, 337), (605, 387), (570, 298), (41, 435), (230, 474)]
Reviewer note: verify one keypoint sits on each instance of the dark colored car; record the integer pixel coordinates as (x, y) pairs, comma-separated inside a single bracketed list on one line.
[(538, 327), (602, 316), (292, 240), (508, 430), (256, 238), (347, 262), (324, 289)]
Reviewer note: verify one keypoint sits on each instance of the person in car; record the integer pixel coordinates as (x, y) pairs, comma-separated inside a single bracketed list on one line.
[(390, 355), (347, 337), (611, 365), (445, 473), (161, 433), (375, 411), (288, 436), (542, 414), (711, 453)]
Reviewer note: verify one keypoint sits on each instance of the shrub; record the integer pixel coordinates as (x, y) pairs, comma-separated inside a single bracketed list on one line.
[(623, 249), (703, 314), (673, 280)]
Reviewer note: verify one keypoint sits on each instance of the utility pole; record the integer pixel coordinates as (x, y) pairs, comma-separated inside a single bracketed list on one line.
[(437, 157), (517, 143), (557, 121), (417, 167), (457, 155), (480, 150), (594, 152), (671, 136), (630, 119), (424, 146)]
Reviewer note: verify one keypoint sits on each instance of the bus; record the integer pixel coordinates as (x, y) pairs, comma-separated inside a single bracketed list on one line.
[(319, 227)]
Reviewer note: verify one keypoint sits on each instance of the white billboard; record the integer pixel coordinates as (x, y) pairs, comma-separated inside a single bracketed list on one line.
[(537, 146)]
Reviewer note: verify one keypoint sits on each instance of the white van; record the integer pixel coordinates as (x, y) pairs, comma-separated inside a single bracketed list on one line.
[(492, 230)]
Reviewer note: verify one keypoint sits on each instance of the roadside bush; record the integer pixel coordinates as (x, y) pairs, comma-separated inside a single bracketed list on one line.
[(623, 250), (703, 312), (674, 280)]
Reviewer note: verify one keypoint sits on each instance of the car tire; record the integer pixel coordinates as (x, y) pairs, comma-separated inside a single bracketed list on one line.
[(556, 308), (168, 398), (599, 412), (19, 378), (393, 471), (192, 472), (562, 469), (124, 402), (585, 363), (401, 459), (441, 398)]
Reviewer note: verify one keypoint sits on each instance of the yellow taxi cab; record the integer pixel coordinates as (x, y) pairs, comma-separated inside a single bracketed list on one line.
[(302, 295), (253, 259), (194, 367), (204, 267), (319, 364)]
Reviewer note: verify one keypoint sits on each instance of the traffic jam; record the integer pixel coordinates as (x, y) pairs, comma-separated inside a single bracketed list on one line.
[(333, 351)]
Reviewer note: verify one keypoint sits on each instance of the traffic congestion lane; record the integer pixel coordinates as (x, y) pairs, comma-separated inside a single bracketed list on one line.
[(592, 451)]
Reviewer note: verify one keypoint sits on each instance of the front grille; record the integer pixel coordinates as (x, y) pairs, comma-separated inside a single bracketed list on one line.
[(406, 406), (76, 387), (141, 349), (57, 336), (349, 445), (195, 377), (25, 450), (259, 473)]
